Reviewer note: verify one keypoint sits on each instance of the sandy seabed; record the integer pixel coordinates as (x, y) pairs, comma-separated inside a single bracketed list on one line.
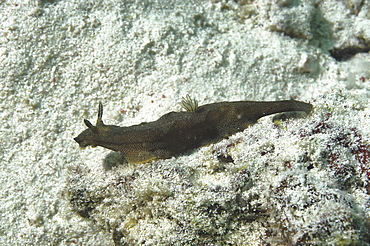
[(299, 182)]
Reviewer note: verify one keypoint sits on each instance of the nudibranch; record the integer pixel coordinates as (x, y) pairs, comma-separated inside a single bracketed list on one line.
[(178, 132)]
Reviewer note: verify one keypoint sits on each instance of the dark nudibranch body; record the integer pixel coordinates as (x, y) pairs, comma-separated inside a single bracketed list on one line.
[(178, 132)]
